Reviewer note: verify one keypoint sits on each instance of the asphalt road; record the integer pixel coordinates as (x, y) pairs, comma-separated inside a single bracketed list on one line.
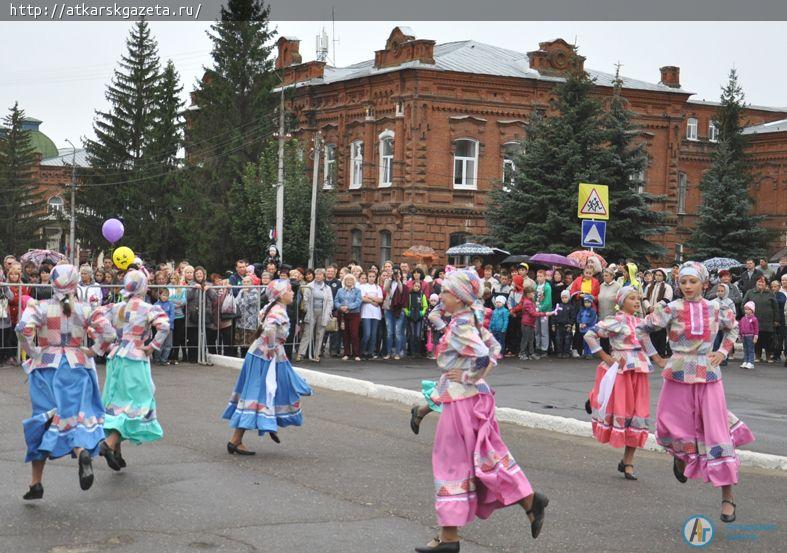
[(559, 387), (353, 479)]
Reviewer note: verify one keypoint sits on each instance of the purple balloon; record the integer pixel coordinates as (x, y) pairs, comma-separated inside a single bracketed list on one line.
[(112, 229)]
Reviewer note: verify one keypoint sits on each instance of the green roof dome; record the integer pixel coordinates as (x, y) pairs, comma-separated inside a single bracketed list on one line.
[(40, 142)]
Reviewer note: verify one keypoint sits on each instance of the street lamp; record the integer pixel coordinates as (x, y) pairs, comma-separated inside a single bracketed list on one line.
[(71, 241)]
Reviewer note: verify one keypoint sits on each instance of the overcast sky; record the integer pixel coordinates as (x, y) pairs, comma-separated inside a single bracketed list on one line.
[(58, 71)]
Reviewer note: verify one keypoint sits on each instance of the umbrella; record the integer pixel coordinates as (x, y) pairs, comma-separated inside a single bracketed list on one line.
[(471, 248), (581, 257), (554, 260), (420, 252), (40, 256), (515, 259), (721, 263)]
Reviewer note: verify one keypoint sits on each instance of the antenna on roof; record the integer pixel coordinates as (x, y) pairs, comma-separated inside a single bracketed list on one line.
[(334, 40), (322, 45)]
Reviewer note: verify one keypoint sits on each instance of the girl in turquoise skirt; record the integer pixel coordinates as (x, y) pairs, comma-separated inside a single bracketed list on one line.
[(129, 390), (268, 391)]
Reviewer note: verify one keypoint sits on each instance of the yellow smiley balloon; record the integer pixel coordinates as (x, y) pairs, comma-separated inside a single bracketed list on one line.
[(123, 257)]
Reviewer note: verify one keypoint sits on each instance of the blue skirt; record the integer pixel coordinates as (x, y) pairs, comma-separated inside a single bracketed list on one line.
[(247, 407), (67, 412)]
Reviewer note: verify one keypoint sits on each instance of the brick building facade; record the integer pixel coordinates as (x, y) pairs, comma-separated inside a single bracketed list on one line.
[(415, 138)]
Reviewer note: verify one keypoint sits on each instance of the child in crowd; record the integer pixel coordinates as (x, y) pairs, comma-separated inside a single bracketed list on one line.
[(722, 299), (162, 356), (564, 321), (499, 323), (543, 304), (749, 329), (414, 312), (530, 316), (514, 334), (432, 334), (587, 317)]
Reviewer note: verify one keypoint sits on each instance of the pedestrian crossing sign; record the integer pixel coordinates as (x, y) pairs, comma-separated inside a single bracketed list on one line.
[(593, 201), (594, 234)]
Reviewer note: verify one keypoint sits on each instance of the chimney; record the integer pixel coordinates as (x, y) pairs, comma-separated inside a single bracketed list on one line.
[(288, 52), (670, 76)]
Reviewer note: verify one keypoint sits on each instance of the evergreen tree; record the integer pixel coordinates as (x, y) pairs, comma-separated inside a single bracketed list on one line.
[(256, 192), (726, 227), (22, 207), (537, 212), (135, 149), (632, 220), (230, 129)]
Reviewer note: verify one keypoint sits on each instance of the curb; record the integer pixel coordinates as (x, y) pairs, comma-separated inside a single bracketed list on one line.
[(528, 419)]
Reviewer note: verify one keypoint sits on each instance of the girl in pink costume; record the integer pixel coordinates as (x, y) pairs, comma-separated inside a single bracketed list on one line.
[(692, 421), (624, 422), (474, 472)]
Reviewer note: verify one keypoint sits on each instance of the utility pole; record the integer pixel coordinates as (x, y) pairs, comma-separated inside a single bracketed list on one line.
[(71, 238), (280, 182), (315, 181)]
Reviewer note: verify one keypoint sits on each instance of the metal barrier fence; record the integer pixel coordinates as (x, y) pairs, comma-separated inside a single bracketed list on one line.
[(210, 322)]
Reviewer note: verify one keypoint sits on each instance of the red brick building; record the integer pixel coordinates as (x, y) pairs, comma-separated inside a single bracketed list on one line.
[(416, 137)]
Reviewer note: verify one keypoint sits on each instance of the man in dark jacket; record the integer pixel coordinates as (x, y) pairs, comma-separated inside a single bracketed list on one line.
[(766, 309), (749, 277), (335, 338)]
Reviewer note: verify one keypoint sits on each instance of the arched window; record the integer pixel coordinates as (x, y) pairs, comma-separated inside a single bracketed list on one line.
[(385, 246), (465, 163), (356, 245), (356, 164), (386, 158), (55, 204), (329, 166)]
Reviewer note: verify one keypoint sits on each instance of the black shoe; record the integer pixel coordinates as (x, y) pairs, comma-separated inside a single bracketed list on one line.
[(233, 450), (441, 547), (677, 472), (629, 475), (724, 518), (588, 408), (36, 491), (109, 454), (275, 437), (85, 470), (119, 457), (415, 420), (540, 503)]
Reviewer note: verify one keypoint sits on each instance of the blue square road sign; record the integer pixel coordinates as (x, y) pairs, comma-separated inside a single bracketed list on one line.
[(594, 233)]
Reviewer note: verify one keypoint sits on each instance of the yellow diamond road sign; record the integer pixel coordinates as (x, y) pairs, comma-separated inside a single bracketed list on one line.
[(593, 201)]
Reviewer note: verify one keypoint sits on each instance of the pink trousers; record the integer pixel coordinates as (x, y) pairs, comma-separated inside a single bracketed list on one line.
[(694, 425), (474, 473)]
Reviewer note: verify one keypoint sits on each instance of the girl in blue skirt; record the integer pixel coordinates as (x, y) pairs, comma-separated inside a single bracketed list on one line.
[(129, 390), (68, 416), (268, 392)]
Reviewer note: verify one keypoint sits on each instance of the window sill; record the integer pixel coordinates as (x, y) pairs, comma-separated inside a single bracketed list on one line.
[(385, 185)]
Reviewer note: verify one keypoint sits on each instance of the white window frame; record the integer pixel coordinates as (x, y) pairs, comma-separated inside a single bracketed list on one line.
[(385, 178), (713, 131), (692, 124), (470, 183), (356, 164), (639, 177), (329, 167), (683, 185), (509, 161), (386, 249), (60, 205)]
